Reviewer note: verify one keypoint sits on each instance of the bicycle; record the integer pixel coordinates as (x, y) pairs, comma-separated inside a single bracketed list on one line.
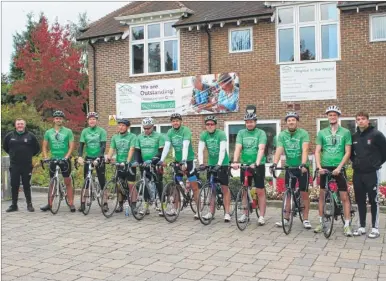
[(291, 197), (141, 185), (174, 192), (332, 205), (244, 194), (91, 188), (110, 191), (211, 193), (57, 188)]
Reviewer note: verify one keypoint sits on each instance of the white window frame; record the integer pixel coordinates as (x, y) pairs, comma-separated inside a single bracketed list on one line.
[(371, 16), (296, 25), (267, 121), (158, 130), (250, 28), (344, 118), (146, 41)]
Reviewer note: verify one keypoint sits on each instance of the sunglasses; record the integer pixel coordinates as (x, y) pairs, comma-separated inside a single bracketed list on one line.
[(146, 129), (57, 136), (210, 124)]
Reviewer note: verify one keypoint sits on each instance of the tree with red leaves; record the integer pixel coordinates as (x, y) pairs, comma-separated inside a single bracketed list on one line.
[(52, 74)]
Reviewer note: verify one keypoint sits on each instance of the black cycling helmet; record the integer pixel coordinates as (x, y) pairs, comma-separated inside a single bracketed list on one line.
[(58, 113), (92, 114), (124, 121), (175, 116), (291, 114), (211, 118), (250, 116)]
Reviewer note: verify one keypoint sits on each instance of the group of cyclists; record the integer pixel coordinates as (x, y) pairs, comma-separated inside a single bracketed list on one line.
[(334, 147)]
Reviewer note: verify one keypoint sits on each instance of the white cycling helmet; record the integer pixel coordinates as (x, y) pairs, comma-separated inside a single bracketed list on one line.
[(147, 121), (333, 108)]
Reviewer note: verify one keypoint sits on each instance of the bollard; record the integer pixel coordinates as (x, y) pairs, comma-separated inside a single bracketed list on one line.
[(6, 193)]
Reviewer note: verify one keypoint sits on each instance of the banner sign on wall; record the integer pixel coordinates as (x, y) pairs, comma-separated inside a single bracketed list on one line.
[(200, 94), (308, 81)]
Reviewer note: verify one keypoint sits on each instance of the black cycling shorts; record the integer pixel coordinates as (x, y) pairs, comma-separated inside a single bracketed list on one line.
[(340, 179), (258, 177), (303, 179), (65, 168), (222, 176)]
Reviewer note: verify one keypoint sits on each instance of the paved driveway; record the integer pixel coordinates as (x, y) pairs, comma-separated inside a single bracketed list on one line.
[(71, 246)]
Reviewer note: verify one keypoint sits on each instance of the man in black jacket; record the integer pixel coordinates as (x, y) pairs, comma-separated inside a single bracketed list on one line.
[(367, 156), (21, 146)]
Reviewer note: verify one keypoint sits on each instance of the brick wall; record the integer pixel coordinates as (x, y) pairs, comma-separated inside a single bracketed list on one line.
[(361, 82)]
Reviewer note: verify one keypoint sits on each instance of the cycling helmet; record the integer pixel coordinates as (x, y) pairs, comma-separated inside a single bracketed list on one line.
[(147, 121), (58, 113), (333, 108), (291, 114), (92, 114), (211, 118), (250, 116), (124, 121), (175, 116)]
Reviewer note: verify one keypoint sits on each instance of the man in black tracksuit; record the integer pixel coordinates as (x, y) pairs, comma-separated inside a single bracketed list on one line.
[(21, 145), (367, 156)]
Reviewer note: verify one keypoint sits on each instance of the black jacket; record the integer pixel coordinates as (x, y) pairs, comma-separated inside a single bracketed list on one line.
[(21, 148), (368, 150)]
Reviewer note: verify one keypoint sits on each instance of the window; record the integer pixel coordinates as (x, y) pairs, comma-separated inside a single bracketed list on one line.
[(307, 33), (270, 127), (154, 49), (378, 27), (348, 123), (160, 128), (240, 40)]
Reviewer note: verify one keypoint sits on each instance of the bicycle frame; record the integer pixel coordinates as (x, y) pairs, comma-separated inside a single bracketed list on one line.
[(145, 180)]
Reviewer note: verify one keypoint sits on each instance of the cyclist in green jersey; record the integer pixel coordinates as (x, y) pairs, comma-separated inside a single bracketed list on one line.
[(250, 143), (60, 140), (294, 143), (123, 144), (180, 137), (148, 150), (94, 137), (333, 150), (215, 141)]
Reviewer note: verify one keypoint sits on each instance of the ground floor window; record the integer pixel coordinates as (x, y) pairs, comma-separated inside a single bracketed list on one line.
[(346, 122), (270, 127)]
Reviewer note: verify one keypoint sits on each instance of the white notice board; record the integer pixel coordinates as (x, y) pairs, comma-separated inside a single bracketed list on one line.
[(308, 81)]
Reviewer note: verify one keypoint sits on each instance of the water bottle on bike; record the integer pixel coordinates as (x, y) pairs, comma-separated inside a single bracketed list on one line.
[(126, 207)]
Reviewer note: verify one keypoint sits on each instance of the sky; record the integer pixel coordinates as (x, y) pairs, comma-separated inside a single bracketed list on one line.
[(14, 18)]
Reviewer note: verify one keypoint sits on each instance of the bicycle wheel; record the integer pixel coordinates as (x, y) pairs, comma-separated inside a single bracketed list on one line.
[(242, 207), (138, 204), (109, 198), (192, 203), (287, 212), (86, 193), (54, 196), (204, 201), (352, 211), (328, 214), (299, 206), (98, 193), (171, 202)]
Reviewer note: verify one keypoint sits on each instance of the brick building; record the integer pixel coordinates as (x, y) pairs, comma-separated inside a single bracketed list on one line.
[(258, 41)]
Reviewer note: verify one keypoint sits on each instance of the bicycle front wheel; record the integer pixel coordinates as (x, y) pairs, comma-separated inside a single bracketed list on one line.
[(328, 214), (171, 202), (109, 198), (138, 204), (206, 200), (242, 208), (86, 195), (54, 196), (98, 193), (287, 212)]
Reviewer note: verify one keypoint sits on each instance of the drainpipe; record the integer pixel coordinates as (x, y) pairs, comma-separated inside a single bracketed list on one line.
[(94, 73), (209, 50)]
